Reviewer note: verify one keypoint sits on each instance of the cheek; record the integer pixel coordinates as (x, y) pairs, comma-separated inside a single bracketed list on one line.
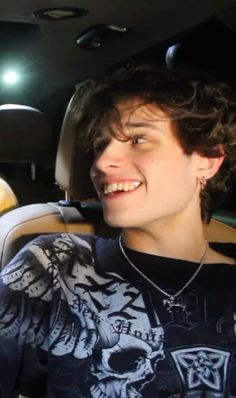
[(171, 174)]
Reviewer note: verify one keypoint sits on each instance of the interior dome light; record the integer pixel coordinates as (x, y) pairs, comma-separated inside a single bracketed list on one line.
[(59, 13), (10, 77)]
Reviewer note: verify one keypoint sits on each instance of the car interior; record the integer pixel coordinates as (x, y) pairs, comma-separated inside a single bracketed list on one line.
[(47, 51)]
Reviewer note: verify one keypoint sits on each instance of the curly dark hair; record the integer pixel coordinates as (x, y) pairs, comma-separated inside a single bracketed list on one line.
[(203, 112)]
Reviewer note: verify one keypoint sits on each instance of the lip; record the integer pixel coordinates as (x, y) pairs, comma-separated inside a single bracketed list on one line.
[(115, 195)]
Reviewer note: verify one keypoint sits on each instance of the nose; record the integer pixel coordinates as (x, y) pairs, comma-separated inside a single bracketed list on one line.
[(112, 156)]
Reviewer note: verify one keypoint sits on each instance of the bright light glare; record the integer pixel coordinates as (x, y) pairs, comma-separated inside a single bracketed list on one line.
[(10, 77)]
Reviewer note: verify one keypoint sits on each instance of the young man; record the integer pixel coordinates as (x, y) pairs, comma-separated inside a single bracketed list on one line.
[(151, 313)]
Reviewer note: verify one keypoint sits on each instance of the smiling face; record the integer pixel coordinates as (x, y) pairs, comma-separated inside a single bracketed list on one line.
[(145, 179)]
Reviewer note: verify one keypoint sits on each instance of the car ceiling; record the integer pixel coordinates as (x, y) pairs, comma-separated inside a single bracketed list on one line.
[(46, 50), (51, 63)]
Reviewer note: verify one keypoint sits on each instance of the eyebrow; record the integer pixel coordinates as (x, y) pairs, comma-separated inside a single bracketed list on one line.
[(132, 124), (141, 124)]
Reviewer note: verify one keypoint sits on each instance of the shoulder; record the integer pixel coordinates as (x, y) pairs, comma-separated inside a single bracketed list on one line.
[(39, 264), (57, 249), (227, 250)]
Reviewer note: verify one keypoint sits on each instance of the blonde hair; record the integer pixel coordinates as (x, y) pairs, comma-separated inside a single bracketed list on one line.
[(8, 199)]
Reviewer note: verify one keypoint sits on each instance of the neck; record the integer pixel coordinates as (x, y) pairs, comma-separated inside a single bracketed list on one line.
[(186, 243)]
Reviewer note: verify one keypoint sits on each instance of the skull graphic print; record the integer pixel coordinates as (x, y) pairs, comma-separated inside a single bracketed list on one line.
[(100, 317)]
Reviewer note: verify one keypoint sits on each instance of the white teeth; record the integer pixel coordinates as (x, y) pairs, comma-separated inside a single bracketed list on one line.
[(126, 186), (121, 186), (113, 187)]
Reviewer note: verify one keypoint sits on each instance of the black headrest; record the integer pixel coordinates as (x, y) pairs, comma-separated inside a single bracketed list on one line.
[(25, 135), (207, 48)]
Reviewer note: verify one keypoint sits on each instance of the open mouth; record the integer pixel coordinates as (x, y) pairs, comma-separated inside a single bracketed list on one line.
[(119, 187)]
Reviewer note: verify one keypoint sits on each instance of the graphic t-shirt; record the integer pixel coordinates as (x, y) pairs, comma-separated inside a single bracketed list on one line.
[(76, 321)]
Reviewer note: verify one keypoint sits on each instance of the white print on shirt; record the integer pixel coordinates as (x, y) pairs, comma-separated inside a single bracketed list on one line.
[(92, 311), (101, 317), (202, 368)]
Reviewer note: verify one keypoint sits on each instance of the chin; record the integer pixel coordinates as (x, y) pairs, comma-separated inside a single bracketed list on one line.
[(118, 222), (113, 222)]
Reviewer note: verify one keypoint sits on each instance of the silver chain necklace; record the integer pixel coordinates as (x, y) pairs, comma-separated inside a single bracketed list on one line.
[(170, 302)]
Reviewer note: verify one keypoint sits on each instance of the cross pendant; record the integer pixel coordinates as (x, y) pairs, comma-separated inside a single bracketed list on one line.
[(170, 304)]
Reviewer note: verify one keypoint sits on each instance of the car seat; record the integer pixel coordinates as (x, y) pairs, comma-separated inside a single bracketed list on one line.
[(71, 214), (27, 151), (79, 212)]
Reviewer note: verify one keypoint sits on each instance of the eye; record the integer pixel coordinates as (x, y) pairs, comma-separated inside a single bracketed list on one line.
[(138, 139)]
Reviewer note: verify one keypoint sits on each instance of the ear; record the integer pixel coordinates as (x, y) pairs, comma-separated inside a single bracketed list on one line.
[(208, 167)]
